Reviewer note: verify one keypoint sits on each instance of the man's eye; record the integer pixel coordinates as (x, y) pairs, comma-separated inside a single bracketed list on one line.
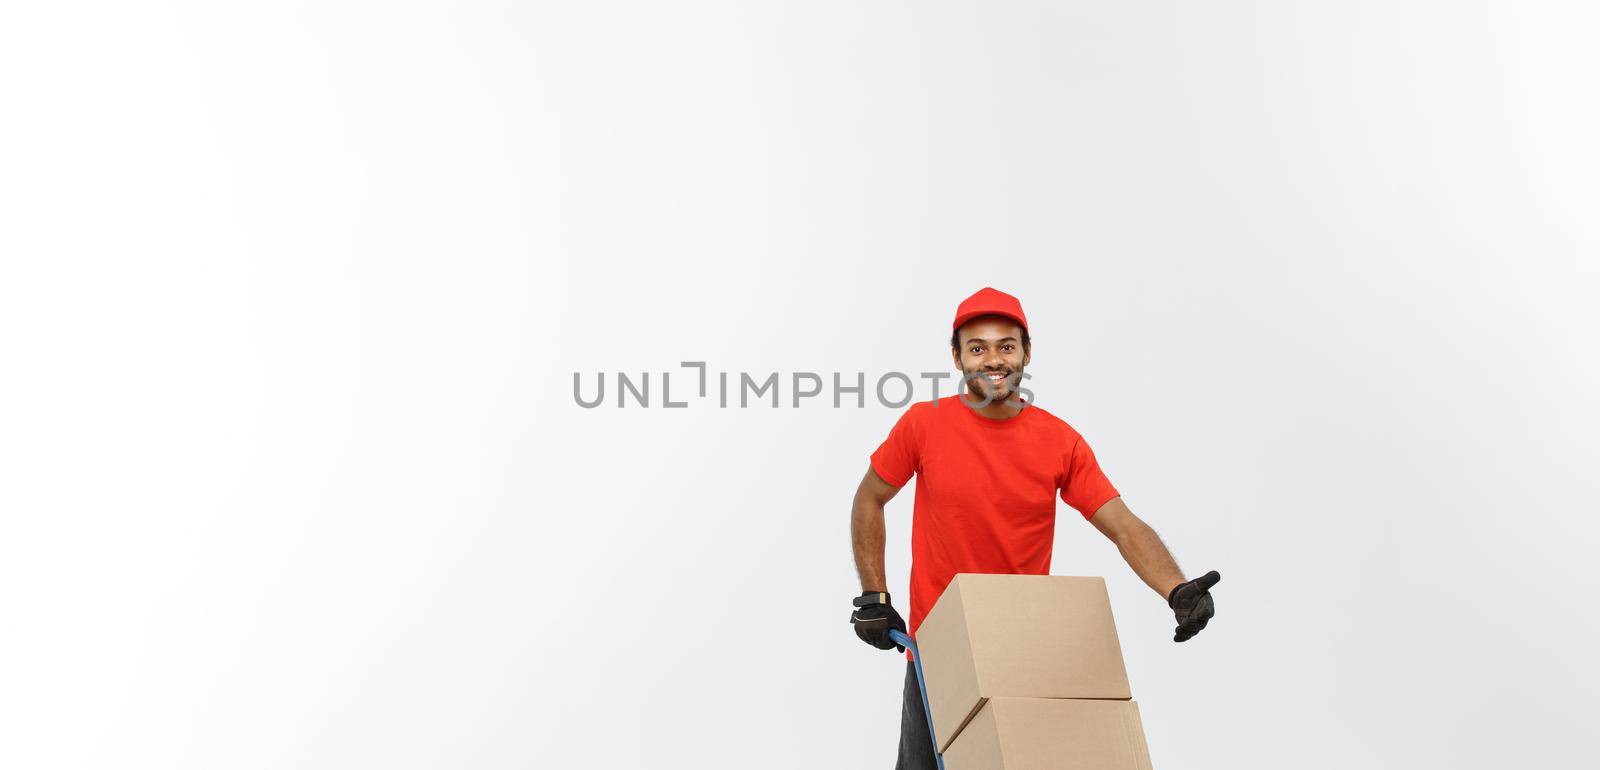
[(1008, 348), (975, 350)]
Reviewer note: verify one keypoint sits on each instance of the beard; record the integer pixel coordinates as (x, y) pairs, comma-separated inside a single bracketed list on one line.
[(978, 382)]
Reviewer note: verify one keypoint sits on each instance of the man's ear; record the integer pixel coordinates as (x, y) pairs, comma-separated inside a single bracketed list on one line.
[(955, 357), (1027, 355)]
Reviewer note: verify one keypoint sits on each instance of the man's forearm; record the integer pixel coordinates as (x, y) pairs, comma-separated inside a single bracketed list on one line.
[(866, 539), (1142, 548)]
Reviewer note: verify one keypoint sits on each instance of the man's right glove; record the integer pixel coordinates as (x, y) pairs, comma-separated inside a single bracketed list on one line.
[(1191, 603), (874, 617)]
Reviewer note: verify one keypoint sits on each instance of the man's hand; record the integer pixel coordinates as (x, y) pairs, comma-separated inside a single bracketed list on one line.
[(1191, 603), (874, 617)]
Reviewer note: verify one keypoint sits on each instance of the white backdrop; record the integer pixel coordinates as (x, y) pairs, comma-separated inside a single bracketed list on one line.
[(293, 294)]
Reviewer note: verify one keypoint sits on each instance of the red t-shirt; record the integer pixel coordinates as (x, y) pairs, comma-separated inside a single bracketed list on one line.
[(986, 490)]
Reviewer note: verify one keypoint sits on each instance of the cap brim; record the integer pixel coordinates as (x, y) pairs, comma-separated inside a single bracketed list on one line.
[(965, 317)]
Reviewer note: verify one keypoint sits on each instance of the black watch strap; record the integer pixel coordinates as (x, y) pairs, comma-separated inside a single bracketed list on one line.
[(870, 597)]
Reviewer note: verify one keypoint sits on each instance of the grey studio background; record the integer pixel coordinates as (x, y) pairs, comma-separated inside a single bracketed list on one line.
[(293, 294)]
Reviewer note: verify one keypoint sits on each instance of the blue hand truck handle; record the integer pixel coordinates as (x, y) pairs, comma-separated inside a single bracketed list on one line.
[(904, 640)]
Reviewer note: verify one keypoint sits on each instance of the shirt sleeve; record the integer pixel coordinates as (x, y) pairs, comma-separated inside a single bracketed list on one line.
[(1085, 486), (900, 455)]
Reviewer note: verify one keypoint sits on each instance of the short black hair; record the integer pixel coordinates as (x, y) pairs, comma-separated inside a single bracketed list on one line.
[(955, 339)]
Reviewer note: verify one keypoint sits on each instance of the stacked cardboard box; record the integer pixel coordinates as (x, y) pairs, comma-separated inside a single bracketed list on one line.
[(1025, 671)]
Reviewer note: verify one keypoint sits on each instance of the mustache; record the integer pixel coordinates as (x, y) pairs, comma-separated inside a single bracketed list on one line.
[(981, 375)]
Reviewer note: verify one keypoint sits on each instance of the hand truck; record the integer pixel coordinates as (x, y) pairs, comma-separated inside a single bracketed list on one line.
[(904, 640)]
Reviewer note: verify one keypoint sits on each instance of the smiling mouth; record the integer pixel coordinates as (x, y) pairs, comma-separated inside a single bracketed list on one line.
[(996, 378)]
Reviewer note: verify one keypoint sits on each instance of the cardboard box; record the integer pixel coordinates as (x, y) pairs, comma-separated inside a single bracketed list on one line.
[(1051, 734), (1018, 636)]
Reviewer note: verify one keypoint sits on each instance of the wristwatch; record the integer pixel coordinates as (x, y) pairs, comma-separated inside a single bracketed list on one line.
[(868, 598)]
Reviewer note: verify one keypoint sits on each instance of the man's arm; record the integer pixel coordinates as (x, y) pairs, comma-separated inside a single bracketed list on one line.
[(1190, 600), (1141, 547), (874, 618), (866, 529)]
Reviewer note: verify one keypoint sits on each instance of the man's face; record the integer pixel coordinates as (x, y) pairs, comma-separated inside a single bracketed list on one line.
[(991, 347)]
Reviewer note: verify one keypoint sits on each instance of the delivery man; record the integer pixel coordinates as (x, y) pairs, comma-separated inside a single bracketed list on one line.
[(989, 466)]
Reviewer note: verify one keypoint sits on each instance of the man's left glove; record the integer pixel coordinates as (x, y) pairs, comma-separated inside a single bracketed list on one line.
[(874, 617), (1191, 603)]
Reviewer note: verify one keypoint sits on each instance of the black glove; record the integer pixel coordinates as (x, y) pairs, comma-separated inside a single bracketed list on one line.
[(874, 617), (1192, 604)]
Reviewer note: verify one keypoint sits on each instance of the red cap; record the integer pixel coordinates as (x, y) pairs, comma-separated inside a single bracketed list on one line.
[(990, 302)]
